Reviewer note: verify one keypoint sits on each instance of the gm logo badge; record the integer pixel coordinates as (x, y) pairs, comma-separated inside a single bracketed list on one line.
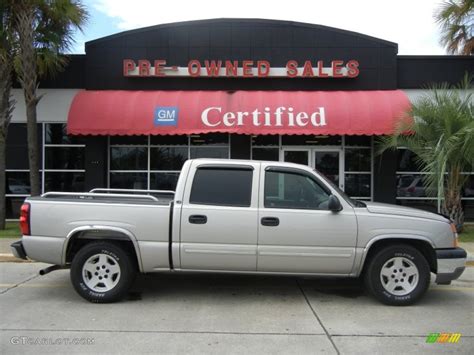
[(166, 116)]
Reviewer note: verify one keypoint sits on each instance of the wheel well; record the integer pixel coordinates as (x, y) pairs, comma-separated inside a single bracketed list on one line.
[(423, 247), (80, 239)]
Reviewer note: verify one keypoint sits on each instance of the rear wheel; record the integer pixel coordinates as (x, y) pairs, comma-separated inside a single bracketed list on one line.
[(397, 275), (102, 272)]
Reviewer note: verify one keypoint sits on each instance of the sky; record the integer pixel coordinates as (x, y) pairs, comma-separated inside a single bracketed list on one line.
[(409, 23)]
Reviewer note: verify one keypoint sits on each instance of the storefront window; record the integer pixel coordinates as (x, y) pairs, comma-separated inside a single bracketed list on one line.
[(347, 160), (64, 165), (357, 159), (62, 169), (163, 181), (266, 147), (64, 181), (412, 190), (168, 158), (155, 162), (128, 158), (17, 183), (128, 180), (357, 185), (271, 154), (66, 158)]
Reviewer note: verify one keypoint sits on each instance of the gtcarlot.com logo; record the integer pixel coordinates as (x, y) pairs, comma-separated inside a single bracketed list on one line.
[(443, 338), (44, 341), (166, 116)]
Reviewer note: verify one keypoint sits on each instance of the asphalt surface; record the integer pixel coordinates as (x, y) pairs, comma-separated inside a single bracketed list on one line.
[(215, 314)]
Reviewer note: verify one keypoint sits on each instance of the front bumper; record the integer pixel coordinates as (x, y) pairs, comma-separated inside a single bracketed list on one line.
[(451, 264), (17, 250)]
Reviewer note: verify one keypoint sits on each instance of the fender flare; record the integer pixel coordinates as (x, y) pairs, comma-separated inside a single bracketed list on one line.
[(387, 237), (127, 235)]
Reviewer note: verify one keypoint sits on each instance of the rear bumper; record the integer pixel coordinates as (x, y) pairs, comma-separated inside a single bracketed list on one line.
[(17, 250), (451, 264)]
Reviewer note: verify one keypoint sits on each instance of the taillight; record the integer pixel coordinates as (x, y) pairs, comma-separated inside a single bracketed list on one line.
[(25, 219)]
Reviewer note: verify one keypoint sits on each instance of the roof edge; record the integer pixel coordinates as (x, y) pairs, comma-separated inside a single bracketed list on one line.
[(237, 20)]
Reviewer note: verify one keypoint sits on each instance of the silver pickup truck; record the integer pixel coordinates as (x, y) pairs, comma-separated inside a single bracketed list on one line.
[(239, 216)]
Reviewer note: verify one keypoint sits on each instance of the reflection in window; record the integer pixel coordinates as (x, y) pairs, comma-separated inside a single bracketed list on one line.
[(17, 183), (406, 161), (295, 191), (357, 185), (133, 161), (203, 152), (357, 159), (64, 181), (128, 158), (128, 181), (266, 140), (271, 154), (163, 181), (56, 133), (64, 158), (427, 205), (164, 158)]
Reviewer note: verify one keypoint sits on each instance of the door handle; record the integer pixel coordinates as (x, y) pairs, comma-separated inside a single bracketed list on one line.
[(270, 221), (197, 219)]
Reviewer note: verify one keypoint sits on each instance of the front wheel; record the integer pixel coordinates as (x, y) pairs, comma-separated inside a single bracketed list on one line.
[(398, 275), (102, 272)]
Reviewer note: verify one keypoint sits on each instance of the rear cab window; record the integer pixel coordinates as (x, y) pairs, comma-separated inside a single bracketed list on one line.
[(222, 186)]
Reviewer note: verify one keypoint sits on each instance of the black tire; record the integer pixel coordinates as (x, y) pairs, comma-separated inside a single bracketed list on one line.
[(122, 280), (409, 257)]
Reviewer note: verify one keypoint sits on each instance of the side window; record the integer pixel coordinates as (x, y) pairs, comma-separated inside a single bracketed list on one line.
[(222, 187), (293, 190)]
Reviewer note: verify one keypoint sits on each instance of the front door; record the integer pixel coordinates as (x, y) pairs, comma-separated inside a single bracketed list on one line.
[(296, 232)]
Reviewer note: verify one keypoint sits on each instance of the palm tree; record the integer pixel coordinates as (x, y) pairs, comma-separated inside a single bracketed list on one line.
[(6, 103), (44, 30), (456, 19), (441, 134)]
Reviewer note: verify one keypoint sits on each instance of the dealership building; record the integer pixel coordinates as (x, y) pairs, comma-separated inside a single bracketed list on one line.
[(129, 112)]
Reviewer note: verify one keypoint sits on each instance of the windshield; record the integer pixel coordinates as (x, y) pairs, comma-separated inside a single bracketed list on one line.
[(352, 202)]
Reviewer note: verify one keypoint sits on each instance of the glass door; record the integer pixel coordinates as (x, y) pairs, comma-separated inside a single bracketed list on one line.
[(329, 163)]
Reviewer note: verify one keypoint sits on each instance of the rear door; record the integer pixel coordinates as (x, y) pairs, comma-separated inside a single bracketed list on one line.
[(219, 217)]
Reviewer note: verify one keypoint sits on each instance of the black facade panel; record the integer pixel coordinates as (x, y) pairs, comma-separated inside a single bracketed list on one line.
[(71, 77), (239, 146), (95, 162), (220, 35), (418, 71), (234, 39), (385, 177)]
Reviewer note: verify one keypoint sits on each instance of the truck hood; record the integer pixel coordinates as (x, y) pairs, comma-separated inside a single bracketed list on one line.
[(384, 208)]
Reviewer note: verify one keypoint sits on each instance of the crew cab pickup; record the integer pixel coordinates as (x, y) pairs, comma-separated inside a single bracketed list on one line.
[(239, 216)]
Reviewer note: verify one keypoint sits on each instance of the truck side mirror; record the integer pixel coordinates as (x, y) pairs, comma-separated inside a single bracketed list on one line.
[(334, 204)]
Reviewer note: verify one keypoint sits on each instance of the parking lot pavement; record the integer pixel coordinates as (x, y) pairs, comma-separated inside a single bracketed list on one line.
[(200, 313)]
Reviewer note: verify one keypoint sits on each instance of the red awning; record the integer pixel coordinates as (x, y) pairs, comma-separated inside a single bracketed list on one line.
[(244, 112)]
